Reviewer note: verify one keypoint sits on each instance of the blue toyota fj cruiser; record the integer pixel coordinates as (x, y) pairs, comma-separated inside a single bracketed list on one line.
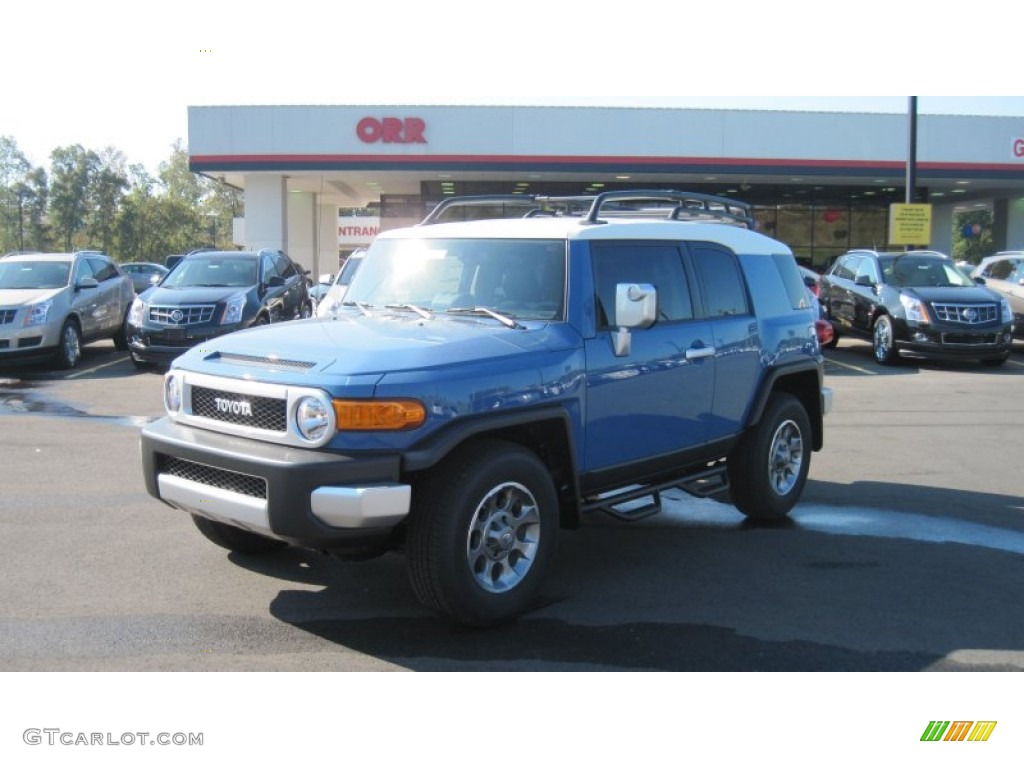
[(488, 382)]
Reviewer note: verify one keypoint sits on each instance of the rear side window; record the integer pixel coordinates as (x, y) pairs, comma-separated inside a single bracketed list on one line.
[(795, 288), (725, 294)]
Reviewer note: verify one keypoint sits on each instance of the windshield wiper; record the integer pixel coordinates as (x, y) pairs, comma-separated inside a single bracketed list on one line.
[(418, 310), (505, 320)]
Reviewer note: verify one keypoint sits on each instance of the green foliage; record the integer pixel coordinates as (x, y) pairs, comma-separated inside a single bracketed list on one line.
[(973, 248), (92, 199)]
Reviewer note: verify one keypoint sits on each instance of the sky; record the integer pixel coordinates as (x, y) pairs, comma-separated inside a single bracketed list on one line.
[(121, 74)]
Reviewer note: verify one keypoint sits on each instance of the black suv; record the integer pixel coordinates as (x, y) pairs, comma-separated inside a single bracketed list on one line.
[(211, 293), (918, 301)]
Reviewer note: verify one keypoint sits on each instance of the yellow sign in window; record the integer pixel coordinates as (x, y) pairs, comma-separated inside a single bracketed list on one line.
[(910, 224)]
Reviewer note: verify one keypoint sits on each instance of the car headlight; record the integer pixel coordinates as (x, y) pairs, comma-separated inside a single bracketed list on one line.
[(37, 313), (1007, 311), (233, 309), (137, 313), (914, 309), (172, 394), (312, 418)]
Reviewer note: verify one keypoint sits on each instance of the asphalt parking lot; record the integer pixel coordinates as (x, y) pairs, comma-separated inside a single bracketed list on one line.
[(906, 552)]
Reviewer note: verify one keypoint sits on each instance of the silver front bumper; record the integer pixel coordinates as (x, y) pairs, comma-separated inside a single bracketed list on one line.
[(373, 506)]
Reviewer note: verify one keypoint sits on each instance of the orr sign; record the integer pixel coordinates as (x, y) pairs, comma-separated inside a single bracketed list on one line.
[(391, 130)]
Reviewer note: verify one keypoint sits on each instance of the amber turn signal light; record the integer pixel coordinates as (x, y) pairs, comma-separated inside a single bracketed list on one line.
[(379, 414)]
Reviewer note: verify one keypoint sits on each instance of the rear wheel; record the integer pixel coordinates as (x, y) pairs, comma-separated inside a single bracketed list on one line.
[(235, 539), (482, 533), (884, 341), (768, 468)]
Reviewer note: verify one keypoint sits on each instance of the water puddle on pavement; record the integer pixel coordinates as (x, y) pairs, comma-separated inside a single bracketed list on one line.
[(19, 397), (682, 510)]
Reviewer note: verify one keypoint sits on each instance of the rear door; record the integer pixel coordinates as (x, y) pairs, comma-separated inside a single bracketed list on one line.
[(735, 336), (655, 400)]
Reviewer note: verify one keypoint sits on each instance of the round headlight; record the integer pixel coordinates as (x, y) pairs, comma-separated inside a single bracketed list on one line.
[(172, 393), (312, 419)]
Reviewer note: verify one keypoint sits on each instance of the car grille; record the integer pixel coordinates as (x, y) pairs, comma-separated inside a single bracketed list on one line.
[(969, 339), (185, 315), (224, 479), (267, 413), (972, 314), (7, 316)]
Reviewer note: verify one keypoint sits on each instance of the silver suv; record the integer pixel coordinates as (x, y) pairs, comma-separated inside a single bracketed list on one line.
[(52, 303)]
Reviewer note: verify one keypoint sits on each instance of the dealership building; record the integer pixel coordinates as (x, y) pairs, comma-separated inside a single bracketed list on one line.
[(320, 181)]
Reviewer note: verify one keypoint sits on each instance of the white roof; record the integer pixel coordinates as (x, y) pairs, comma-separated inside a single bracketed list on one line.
[(738, 239)]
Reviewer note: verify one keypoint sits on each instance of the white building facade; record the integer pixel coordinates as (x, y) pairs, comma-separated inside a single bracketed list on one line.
[(321, 180)]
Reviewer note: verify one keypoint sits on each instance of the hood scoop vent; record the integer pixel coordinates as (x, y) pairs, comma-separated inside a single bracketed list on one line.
[(269, 363)]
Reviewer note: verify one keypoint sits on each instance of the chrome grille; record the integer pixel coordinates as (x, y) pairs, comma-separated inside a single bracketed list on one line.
[(224, 479), (184, 315), (267, 413), (7, 316), (971, 314)]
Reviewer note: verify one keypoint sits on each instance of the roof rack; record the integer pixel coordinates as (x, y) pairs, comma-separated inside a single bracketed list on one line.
[(686, 206)]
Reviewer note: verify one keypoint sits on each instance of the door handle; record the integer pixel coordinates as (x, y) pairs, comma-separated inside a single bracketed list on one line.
[(695, 353)]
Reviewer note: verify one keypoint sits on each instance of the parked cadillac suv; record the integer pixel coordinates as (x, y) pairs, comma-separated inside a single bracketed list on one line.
[(211, 293), (53, 303), (918, 301)]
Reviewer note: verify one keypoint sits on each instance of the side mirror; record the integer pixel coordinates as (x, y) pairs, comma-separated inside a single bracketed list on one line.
[(636, 306), (864, 280), (275, 281), (979, 280), (86, 282)]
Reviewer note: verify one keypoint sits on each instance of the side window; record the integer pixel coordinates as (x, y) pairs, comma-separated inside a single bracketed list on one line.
[(1000, 270), (268, 267), (103, 269), (659, 264), (284, 266), (846, 268), (867, 268), (83, 269), (724, 291)]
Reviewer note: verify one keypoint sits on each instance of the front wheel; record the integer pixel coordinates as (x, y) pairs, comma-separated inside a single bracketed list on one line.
[(884, 341), (483, 533), (768, 469), (69, 350)]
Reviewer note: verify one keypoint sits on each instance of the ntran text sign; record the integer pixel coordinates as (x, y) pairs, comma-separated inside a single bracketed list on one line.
[(392, 130), (357, 230)]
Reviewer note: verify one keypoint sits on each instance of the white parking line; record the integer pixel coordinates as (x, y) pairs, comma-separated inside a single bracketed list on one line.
[(95, 368), (856, 368), (1016, 362)]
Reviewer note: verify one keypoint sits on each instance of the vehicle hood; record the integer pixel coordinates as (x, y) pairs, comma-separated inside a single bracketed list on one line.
[(20, 297), (169, 297), (353, 344), (951, 295)]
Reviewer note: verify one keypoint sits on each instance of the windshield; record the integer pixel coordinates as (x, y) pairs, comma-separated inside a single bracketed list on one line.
[(517, 278), (213, 272), (34, 274), (919, 271)]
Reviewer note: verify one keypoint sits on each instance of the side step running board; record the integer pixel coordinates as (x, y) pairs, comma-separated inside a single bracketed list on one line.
[(701, 484)]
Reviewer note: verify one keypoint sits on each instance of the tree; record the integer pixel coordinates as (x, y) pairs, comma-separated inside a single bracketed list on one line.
[(106, 188), (72, 170), (978, 243), (13, 170)]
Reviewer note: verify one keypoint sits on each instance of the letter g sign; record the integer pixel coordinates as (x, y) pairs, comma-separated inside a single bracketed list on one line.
[(1018, 149)]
